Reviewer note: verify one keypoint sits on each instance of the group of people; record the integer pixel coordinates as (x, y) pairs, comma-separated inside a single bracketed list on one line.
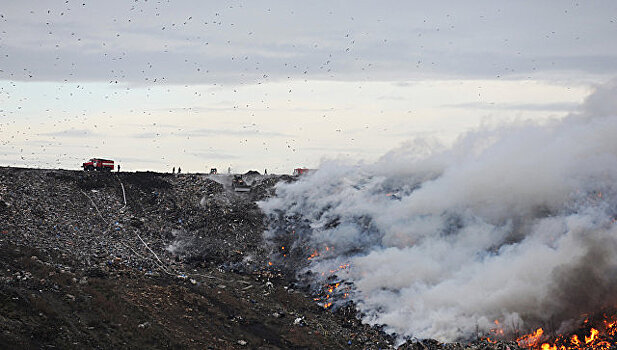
[(173, 171)]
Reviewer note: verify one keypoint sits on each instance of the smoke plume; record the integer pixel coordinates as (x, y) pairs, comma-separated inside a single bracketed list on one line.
[(515, 224)]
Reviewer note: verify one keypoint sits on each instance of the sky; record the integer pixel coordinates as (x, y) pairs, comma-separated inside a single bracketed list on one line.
[(277, 84)]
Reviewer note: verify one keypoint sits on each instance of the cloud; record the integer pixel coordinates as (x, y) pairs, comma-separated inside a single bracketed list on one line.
[(232, 132), (393, 98), (145, 135), (330, 150), (206, 43), (215, 155), (136, 160), (562, 106), (71, 133), (197, 133)]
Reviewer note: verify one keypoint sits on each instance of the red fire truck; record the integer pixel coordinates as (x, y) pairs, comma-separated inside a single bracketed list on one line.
[(301, 171), (98, 164)]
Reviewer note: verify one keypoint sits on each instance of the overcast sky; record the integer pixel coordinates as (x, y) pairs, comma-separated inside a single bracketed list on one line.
[(280, 84)]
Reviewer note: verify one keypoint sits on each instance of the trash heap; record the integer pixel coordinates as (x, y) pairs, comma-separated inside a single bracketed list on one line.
[(150, 260)]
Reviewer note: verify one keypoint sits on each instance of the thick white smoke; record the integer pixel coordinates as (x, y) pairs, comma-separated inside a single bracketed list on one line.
[(514, 224)]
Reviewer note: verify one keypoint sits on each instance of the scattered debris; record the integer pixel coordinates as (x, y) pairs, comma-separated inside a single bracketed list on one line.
[(299, 321)]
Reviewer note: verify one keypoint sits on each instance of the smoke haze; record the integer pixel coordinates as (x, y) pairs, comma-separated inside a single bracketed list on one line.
[(514, 224)]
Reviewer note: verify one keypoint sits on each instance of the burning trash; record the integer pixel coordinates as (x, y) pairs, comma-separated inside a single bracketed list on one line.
[(598, 333)]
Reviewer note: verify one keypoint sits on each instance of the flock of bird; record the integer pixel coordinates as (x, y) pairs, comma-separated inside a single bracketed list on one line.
[(199, 51)]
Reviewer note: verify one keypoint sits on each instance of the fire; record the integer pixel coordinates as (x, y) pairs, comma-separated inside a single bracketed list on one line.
[(531, 340), (598, 333), (575, 340), (497, 330), (331, 288), (547, 346), (592, 336), (330, 291), (610, 327), (313, 255), (341, 267), (316, 252)]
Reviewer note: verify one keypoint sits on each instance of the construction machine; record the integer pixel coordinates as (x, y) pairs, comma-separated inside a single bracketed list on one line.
[(239, 185)]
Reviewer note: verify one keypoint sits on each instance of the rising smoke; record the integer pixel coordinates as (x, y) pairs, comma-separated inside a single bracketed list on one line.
[(515, 224)]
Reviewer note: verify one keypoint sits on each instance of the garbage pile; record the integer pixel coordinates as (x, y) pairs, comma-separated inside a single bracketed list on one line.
[(136, 260)]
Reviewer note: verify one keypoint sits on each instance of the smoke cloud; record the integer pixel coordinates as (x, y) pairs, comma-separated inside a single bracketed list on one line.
[(515, 224)]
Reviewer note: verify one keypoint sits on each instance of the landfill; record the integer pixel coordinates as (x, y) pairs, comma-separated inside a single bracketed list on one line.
[(153, 260)]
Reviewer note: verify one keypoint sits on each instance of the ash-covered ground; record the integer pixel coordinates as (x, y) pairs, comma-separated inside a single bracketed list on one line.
[(149, 260)]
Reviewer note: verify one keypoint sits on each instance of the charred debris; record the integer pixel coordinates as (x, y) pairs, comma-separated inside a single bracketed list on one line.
[(149, 260)]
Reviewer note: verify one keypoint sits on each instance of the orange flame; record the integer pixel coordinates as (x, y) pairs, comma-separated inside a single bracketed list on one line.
[(313, 255), (531, 340), (497, 330), (592, 336), (547, 346), (599, 338), (610, 327)]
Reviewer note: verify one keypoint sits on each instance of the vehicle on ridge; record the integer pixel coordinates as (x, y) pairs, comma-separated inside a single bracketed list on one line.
[(98, 164)]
